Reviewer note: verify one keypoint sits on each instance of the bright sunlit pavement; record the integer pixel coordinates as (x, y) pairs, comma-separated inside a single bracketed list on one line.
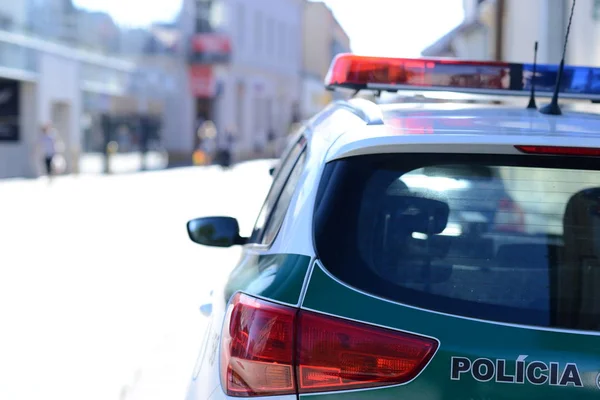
[(117, 315)]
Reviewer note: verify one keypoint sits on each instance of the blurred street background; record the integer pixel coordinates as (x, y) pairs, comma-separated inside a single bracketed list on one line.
[(156, 82), (99, 284), (100, 295)]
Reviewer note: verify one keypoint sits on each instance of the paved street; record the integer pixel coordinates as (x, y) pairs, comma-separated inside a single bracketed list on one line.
[(99, 284), (123, 162)]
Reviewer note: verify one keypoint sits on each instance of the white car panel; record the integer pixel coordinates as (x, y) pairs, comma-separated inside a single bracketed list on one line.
[(352, 144)]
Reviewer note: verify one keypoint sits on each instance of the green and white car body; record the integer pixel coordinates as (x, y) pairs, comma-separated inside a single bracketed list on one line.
[(353, 286)]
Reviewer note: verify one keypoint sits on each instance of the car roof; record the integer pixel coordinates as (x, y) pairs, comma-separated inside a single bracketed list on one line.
[(486, 119), (463, 125)]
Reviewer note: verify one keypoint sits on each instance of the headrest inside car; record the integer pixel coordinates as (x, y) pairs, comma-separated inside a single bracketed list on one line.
[(581, 224), (419, 214)]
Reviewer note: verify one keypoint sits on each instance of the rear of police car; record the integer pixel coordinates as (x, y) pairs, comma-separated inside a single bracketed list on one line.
[(457, 257), (464, 244), (444, 313)]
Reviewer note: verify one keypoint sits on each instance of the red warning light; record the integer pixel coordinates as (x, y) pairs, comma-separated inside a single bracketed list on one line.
[(348, 70), (442, 74)]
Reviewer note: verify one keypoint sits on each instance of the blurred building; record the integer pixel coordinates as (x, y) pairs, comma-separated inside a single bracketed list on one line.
[(324, 38), (237, 63), (65, 66), (507, 30), (244, 71), (471, 39)]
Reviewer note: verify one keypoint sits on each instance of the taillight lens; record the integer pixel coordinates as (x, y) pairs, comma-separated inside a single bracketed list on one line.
[(265, 344), (257, 348), (509, 217), (336, 354), (559, 150)]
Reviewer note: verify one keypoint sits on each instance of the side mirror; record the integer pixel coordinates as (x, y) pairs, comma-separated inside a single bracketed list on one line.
[(215, 231)]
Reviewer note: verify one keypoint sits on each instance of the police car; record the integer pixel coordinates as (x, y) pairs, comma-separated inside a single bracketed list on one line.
[(419, 251)]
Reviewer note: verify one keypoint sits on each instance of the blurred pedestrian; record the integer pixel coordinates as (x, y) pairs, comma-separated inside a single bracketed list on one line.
[(271, 142), (207, 134), (199, 132), (224, 148), (258, 149), (49, 146), (231, 142)]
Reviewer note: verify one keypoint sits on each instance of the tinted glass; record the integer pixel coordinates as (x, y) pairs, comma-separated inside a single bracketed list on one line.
[(214, 231), (283, 203), (505, 238), (281, 176)]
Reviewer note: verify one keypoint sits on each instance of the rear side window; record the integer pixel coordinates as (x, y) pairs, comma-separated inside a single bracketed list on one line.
[(283, 182), (283, 203), (504, 238)]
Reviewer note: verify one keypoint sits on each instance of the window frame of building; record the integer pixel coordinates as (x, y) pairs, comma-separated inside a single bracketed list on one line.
[(240, 27), (270, 36), (282, 36), (203, 16), (596, 10), (258, 32), (292, 45)]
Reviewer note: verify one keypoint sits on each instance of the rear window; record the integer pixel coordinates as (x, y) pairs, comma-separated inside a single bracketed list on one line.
[(504, 238)]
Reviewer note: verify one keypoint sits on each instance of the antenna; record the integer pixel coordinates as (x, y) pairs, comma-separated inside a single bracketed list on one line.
[(553, 108), (532, 96)]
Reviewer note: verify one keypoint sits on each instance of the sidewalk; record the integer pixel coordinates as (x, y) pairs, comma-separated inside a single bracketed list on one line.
[(93, 163)]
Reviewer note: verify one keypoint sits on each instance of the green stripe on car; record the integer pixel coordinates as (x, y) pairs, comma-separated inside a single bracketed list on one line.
[(278, 277), (476, 359)]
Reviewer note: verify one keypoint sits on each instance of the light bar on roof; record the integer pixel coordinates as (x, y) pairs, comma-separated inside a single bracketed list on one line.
[(480, 77)]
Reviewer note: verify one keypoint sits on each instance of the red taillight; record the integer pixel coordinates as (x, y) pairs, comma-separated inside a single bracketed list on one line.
[(257, 348), (265, 344), (335, 354), (509, 217), (560, 151)]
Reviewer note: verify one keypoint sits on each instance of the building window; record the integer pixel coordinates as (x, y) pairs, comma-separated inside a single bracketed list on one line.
[(281, 37), (203, 14), (337, 48), (292, 46), (269, 115), (270, 37), (596, 12), (258, 32), (239, 110), (241, 26)]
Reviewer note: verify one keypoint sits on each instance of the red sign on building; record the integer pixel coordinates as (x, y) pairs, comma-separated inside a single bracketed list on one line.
[(202, 81), (211, 48)]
